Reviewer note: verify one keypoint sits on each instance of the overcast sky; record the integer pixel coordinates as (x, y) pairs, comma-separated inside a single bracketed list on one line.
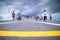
[(30, 7)]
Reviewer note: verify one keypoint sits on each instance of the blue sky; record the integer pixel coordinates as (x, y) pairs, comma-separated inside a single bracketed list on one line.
[(28, 7)]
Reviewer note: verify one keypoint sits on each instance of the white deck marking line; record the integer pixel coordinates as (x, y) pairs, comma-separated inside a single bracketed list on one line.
[(50, 23), (32, 21), (55, 24), (11, 22)]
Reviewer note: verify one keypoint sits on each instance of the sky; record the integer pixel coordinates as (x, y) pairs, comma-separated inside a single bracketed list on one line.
[(28, 7)]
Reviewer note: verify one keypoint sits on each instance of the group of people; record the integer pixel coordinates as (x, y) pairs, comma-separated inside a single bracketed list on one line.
[(42, 18), (13, 16)]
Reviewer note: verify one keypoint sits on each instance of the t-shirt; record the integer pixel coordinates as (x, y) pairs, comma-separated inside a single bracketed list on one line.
[(45, 13)]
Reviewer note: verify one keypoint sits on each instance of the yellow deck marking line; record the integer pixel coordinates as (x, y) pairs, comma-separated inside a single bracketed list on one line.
[(30, 33)]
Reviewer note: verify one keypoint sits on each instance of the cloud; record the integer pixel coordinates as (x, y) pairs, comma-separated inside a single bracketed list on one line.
[(54, 6), (28, 6), (43, 2), (2, 3), (27, 10)]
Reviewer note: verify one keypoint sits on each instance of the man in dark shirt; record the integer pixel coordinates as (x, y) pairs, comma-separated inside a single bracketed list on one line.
[(50, 16), (13, 16)]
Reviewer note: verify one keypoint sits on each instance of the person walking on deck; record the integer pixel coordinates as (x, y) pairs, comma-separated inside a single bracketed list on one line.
[(13, 16), (41, 18), (36, 17), (19, 17), (44, 15), (50, 16)]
